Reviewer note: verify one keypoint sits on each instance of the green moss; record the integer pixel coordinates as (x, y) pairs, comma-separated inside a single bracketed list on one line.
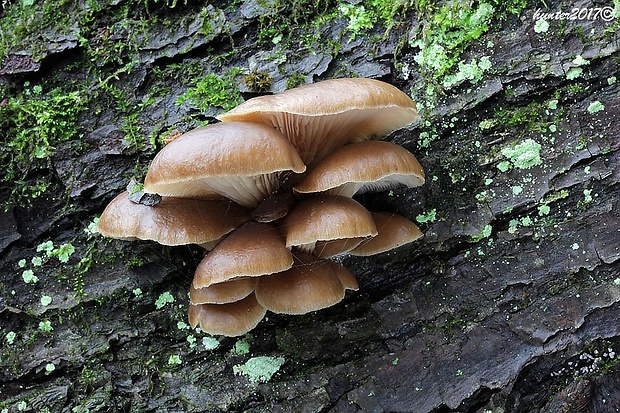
[(447, 33), (214, 91), (35, 121), (427, 217)]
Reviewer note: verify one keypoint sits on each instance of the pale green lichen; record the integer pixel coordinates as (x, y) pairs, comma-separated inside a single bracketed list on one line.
[(46, 326), (541, 26), (471, 72), (595, 107), (517, 189), (50, 367), (191, 340), (611, 80), (543, 210), (210, 343), (21, 263), (484, 233), (164, 298), (47, 247), (259, 369), (10, 337), (241, 347), (36, 261), (29, 277), (523, 155), (137, 292), (46, 300), (91, 228), (573, 73)]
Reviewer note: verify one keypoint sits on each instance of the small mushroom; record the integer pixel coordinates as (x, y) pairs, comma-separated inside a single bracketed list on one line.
[(393, 231), (222, 293), (231, 319), (173, 221), (324, 116), (241, 161), (363, 166), (252, 250), (326, 218), (311, 284)]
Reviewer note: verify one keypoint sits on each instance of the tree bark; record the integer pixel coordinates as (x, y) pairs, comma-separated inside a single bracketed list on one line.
[(508, 304)]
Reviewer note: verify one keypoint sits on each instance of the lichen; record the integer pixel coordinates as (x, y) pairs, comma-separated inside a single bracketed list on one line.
[(595, 107), (259, 369), (524, 155), (163, 299)]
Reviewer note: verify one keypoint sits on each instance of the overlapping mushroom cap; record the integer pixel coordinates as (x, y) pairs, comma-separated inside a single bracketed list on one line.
[(324, 116), (282, 169), (240, 161)]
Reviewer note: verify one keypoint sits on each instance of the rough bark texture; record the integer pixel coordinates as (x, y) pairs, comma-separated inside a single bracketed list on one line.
[(510, 303)]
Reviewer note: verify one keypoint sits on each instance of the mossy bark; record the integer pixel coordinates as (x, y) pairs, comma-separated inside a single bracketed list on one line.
[(509, 303)]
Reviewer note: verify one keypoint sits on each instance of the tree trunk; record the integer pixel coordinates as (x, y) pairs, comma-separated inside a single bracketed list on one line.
[(508, 304)]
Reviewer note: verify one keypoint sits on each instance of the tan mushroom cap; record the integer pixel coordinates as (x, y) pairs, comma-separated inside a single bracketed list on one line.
[(363, 166), (222, 293), (231, 319), (327, 249), (326, 217), (241, 161), (394, 231), (252, 250), (310, 285), (323, 116), (173, 221)]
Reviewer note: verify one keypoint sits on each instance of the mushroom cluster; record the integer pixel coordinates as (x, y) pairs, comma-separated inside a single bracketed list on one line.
[(268, 193)]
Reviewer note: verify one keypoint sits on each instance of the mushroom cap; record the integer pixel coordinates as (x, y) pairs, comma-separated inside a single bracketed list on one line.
[(241, 161), (252, 250), (363, 166), (310, 285), (323, 116), (222, 293), (231, 319), (327, 249), (394, 231), (173, 221), (326, 217)]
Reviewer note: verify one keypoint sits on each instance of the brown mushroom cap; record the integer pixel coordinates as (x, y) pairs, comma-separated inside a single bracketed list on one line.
[(222, 293), (239, 160), (363, 166), (394, 231), (326, 217), (323, 116), (327, 249), (173, 221), (310, 285), (231, 319), (252, 250)]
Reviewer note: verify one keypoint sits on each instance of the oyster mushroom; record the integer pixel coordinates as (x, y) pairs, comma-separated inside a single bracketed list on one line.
[(241, 161), (252, 250), (393, 231), (326, 218), (224, 292), (173, 221), (363, 166), (321, 117), (311, 284), (231, 319)]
